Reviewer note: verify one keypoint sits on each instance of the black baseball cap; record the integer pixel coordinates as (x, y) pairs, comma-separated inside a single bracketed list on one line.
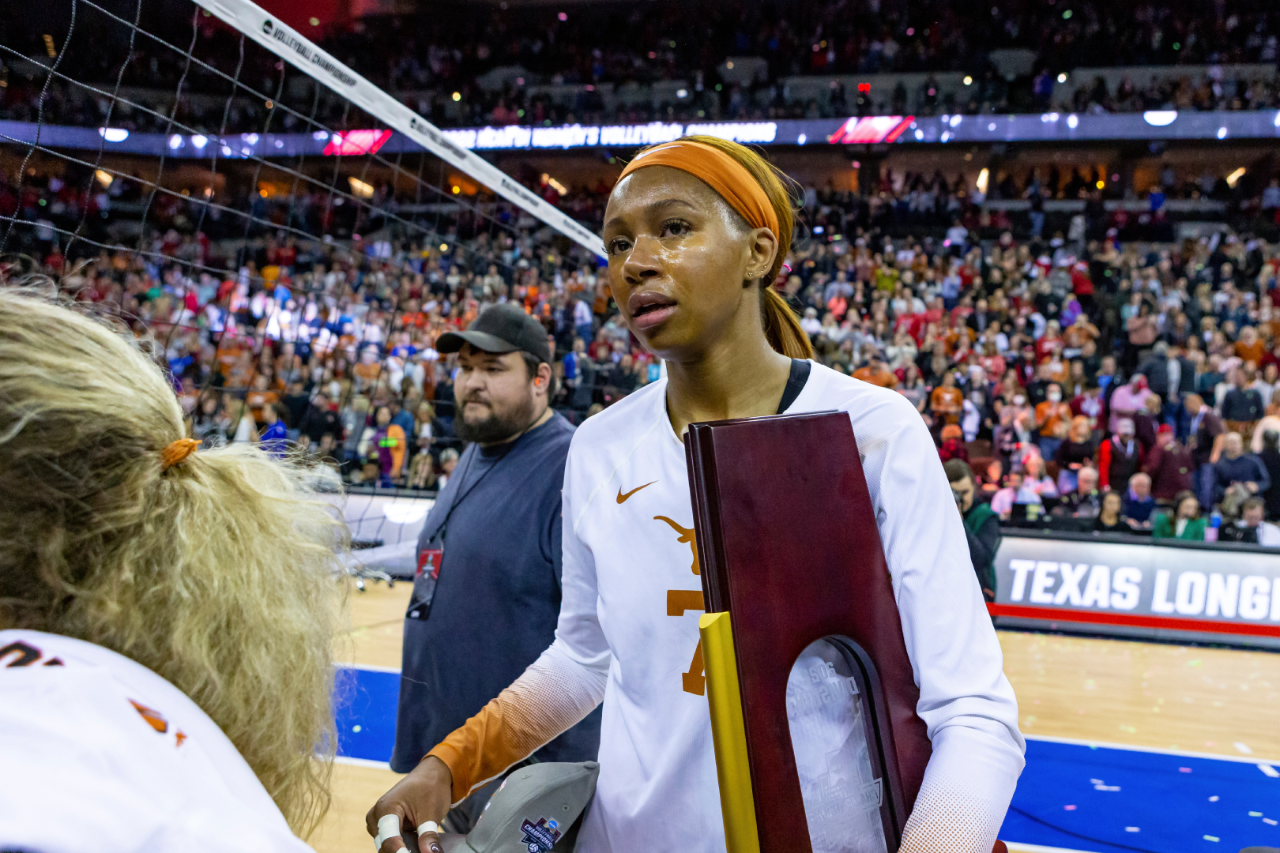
[(500, 329)]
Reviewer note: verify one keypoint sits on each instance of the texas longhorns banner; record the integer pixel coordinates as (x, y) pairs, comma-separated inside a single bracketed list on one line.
[(1218, 593)]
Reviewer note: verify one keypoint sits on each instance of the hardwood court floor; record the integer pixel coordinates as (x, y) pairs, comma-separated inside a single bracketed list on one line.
[(372, 639), (1212, 701)]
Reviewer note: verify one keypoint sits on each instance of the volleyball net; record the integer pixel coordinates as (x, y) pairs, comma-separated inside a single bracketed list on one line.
[(224, 185)]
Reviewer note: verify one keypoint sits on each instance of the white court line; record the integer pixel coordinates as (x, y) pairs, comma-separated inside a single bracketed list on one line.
[(1241, 759), (392, 669), (1018, 847), (361, 762)]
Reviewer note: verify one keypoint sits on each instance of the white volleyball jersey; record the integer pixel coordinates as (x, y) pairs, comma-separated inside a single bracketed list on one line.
[(632, 598), (99, 753)]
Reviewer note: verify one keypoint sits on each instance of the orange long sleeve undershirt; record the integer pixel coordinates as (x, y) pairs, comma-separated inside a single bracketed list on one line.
[(550, 697)]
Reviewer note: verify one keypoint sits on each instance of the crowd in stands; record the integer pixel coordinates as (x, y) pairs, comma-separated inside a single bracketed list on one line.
[(1064, 371), (889, 201), (435, 64)]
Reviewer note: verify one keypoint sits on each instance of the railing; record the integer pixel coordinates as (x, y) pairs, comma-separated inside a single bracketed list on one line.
[(1049, 533), (923, 92)]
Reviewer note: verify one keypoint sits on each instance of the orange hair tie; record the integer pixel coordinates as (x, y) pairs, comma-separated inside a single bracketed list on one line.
[(177, 451), (717, 170)]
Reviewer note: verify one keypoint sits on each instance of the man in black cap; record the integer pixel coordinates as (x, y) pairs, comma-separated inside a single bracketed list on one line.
[(486, 596)]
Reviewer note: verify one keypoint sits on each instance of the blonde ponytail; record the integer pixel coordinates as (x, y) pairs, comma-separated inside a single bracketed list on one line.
[(216, 574), (782, 327)]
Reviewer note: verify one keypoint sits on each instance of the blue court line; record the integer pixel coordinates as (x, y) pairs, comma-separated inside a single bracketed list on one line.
[(1105, 799)]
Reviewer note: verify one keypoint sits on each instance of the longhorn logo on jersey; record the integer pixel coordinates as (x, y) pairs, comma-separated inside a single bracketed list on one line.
[(680, 601), (153, 717)]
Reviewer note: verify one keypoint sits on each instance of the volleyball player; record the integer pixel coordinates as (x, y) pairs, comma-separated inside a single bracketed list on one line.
[(696, 230), (166, 615)]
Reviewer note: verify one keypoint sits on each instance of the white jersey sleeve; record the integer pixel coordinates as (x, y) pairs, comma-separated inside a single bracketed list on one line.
[(965, 700), (579, 637), (554, 693)]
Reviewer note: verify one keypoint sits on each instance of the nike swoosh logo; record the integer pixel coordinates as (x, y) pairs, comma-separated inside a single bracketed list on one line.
[(623, 498)]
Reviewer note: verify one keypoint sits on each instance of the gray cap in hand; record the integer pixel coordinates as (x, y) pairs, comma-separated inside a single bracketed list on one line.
[(532, 810)]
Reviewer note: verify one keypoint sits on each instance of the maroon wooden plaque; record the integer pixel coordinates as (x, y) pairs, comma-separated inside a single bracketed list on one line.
[(788, 545)]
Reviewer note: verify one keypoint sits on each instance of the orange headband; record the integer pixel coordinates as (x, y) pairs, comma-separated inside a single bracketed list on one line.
[(176, 451), (717, 170)]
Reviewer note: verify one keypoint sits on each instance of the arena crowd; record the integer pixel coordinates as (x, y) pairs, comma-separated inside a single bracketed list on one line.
[(1063, 371), (495, 68)]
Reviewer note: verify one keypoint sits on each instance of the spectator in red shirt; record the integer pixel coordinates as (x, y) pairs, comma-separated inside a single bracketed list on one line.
[(953, 446), (1119, 457), (1170, 465)]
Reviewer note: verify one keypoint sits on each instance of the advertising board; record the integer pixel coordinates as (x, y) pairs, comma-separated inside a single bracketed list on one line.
[(1139, 589)]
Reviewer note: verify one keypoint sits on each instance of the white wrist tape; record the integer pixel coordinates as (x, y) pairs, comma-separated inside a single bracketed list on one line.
[(429, 826), (388, 827)]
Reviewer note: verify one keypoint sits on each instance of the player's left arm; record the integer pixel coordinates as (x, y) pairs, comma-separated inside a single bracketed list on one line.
[(965, 700)]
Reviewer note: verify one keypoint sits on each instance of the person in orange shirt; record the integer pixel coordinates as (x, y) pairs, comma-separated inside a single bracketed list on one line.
[(1250, 347), (390, 443), (413, 315), (470, 312), (369, 368), (229, 352), (838, 306), (1053, 416), (260, 397), (241, 372), (1057, 369), (947, 400), (348, 336), (876, 373), (949, 335), (1079, 333)]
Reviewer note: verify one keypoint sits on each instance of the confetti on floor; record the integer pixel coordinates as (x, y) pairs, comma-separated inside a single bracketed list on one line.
[(1242, 748), (1268, 770), (1172, 810)]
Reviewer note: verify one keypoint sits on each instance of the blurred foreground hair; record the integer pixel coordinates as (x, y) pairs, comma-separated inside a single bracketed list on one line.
[(217, 574)]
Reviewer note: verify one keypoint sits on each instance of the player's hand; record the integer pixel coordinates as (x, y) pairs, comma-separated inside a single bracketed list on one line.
[(425, 794)]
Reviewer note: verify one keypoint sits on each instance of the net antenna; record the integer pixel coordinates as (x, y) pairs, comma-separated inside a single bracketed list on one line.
[(306, 56)]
